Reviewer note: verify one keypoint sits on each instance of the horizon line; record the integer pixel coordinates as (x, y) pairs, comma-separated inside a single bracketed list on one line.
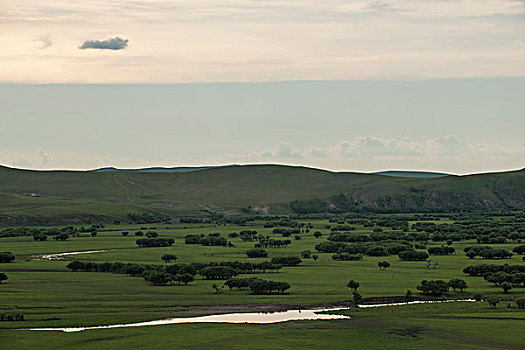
[(374, 172)]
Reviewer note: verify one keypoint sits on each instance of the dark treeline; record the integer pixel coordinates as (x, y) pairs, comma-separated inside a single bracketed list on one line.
[(212, 239), (213, 270), (155, 242), (487, 252), (369, 248), (147, 218), (504, 276)]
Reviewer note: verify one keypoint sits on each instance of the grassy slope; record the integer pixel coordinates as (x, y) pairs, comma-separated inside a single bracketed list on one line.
[(266, 186)]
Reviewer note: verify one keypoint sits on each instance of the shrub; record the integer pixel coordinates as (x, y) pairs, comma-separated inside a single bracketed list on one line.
[(6, 257), (435, 287), (256, 253)]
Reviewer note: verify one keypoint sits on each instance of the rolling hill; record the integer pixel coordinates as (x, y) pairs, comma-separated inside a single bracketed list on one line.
[(81, 196)]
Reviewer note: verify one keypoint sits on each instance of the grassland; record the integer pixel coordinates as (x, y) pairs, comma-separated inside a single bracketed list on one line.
[(49, 295)]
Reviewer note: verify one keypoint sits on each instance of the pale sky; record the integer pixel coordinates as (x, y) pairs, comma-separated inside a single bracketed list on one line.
[(178, 41), (359, 85)]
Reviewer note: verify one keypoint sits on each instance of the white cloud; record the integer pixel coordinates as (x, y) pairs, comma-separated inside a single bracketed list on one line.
[(367, 153)]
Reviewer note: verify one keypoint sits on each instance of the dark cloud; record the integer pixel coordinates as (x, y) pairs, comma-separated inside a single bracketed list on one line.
[(108, 44)]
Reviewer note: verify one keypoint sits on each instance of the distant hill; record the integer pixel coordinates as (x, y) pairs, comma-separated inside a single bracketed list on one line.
[(416, 174), (81, 196), (396, 173), (160, 169)]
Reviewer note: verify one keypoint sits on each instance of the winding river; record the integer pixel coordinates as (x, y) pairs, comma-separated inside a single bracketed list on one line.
[(255, 317), (59, 256)]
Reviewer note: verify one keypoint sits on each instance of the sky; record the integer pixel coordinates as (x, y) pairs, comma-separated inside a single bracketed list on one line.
[(361, 85)]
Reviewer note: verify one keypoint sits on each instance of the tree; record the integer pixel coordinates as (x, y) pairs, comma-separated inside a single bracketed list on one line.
[(519, 249), (521, 303), (75, 265), (61, 237), (3, 277), (353, 285), (408, 295), (471, 254), (287, 260), (435, 287), (315, 257), (93, 233), (6, 257), (357, 298), (409, 255), (383, 264), (318, 234), (506, 287), (456, 284), (157, 278), (124, 233), (155, 242), (39, 237), (218, 272), (306, 254), (184, 278), (217, 288), (168, 258), (256, 253), (493, 301)]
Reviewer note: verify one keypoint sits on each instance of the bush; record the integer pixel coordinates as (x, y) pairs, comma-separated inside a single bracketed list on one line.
[(39, 237), (6, 257), (218, 272), (435, 287), (413, 256), (157, 278), (287, 261), (256, 253), (168, 258), (441, 251), (259, 286), (347, 257), (155, 242)]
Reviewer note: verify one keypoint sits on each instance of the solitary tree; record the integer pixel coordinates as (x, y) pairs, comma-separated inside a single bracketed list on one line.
[(383, 264), (353, 285), (3, 277)]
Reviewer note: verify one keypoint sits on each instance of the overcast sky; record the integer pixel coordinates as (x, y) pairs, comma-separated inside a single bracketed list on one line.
[(423, 85)]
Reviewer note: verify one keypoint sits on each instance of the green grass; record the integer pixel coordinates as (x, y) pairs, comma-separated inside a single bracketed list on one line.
[(49, 295)]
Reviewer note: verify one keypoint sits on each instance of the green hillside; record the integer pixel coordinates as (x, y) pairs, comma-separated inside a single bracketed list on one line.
[(77, 195)]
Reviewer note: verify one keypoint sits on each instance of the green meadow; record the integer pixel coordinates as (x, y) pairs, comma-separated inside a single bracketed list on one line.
[(50, 295)]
